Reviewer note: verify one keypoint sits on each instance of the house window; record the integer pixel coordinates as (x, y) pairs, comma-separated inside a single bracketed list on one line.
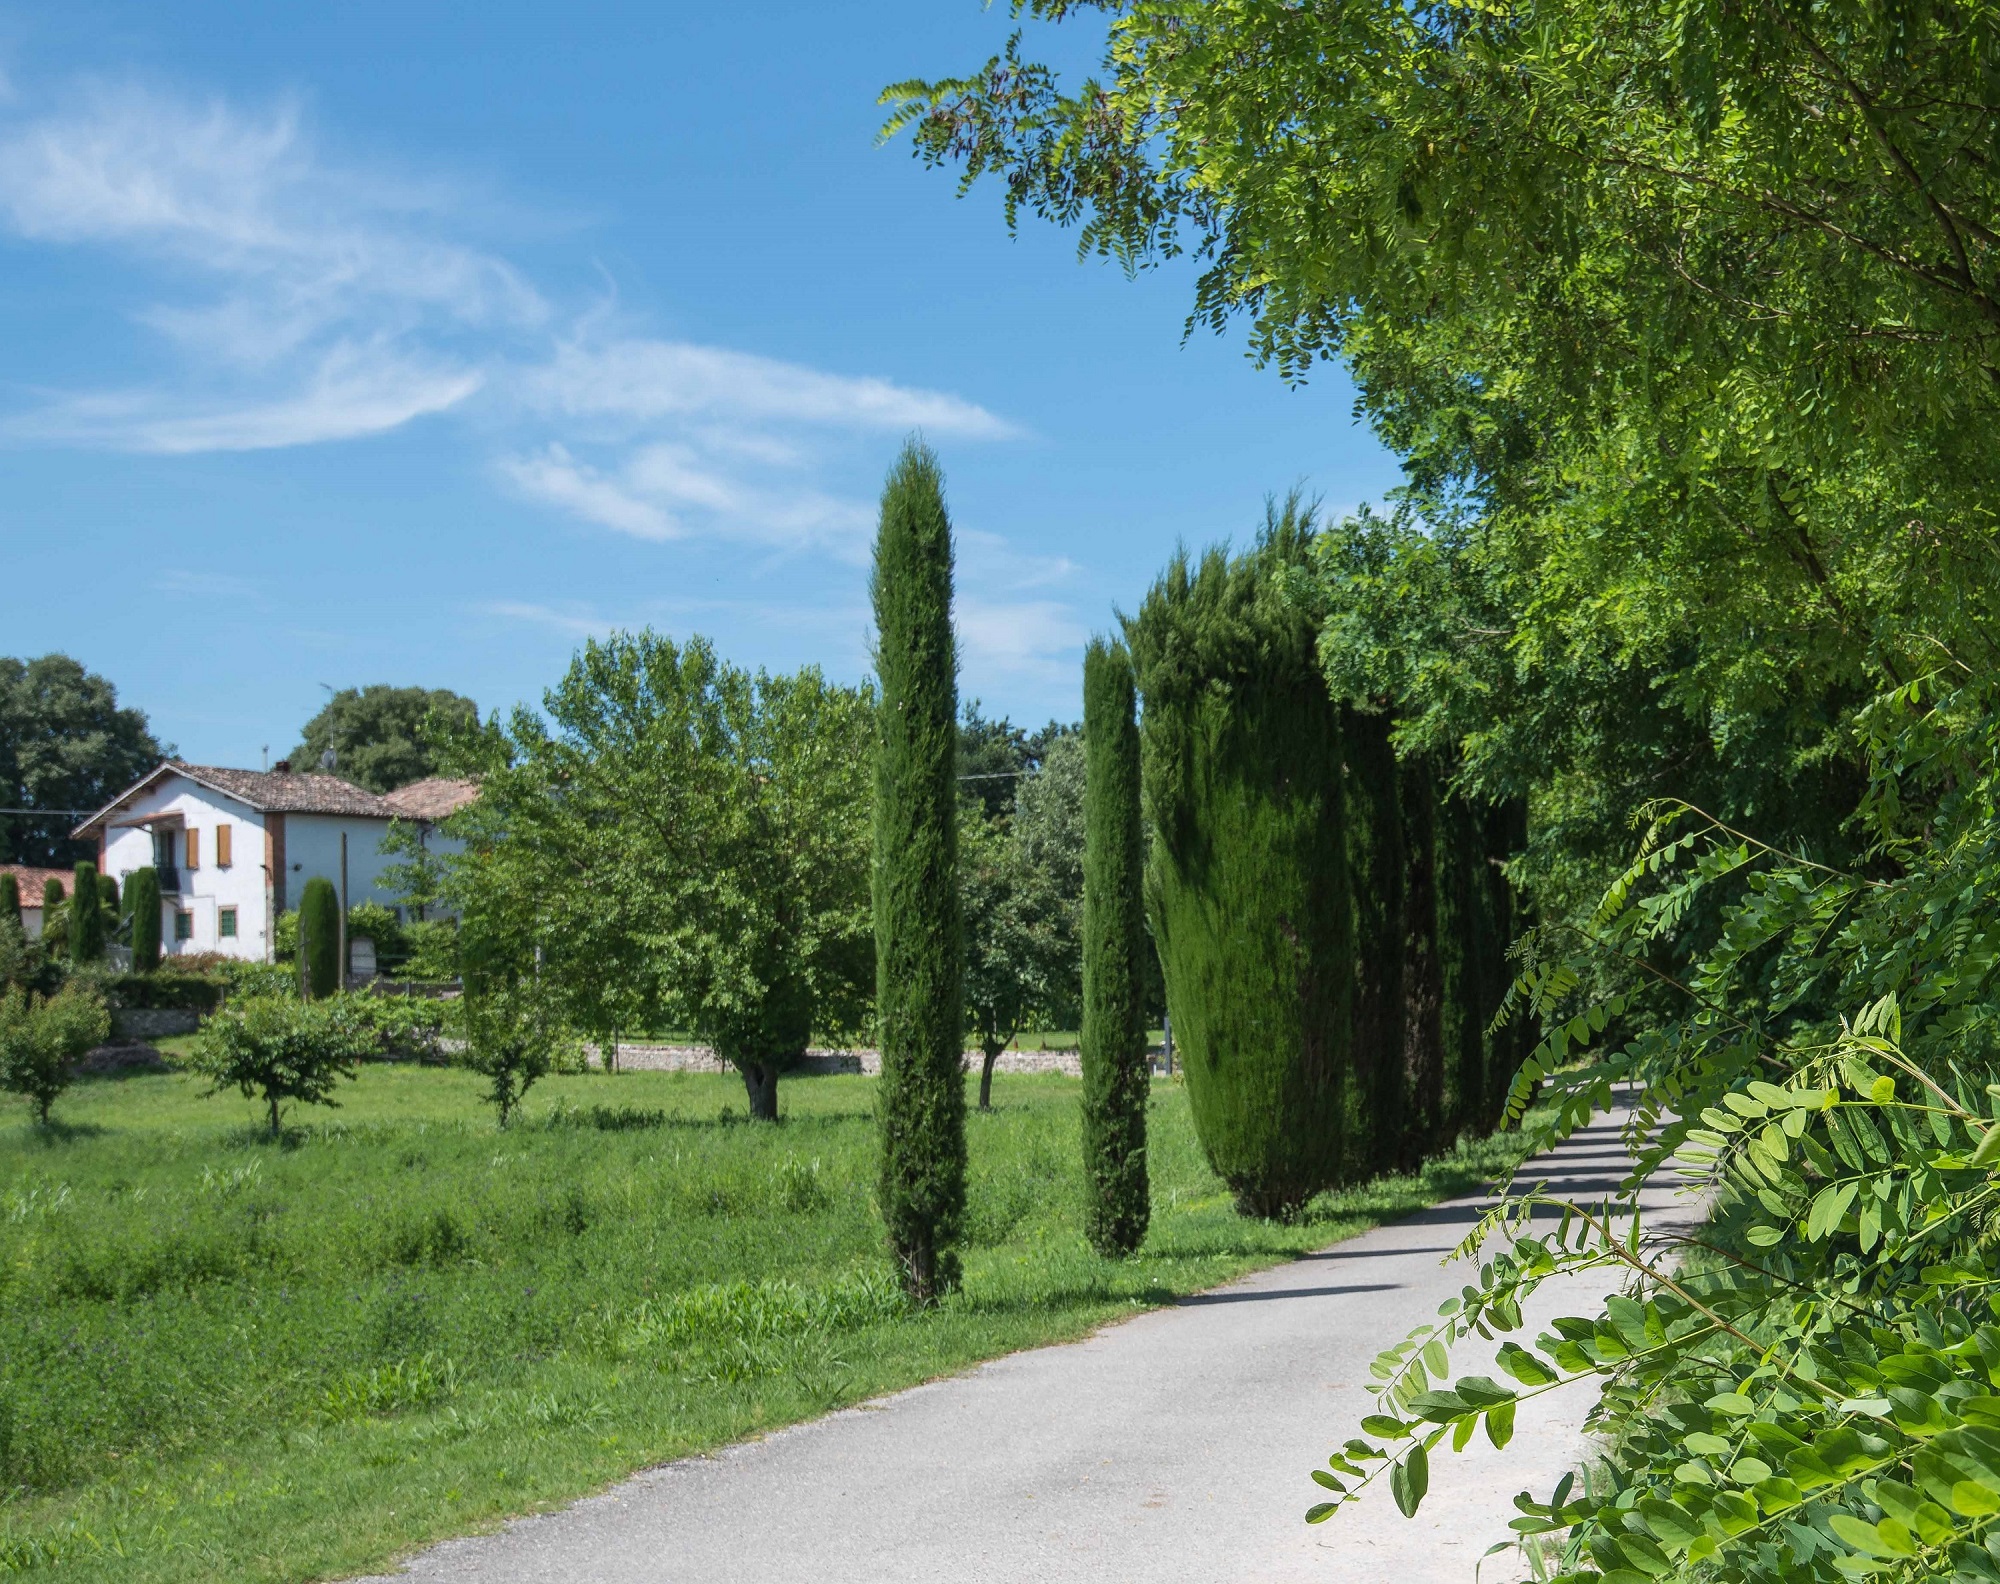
[(222, 846), (184, 923), (225, 920), (192, 843)]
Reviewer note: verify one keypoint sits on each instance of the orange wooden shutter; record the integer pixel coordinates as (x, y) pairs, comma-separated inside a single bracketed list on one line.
[(222, 846), (193, 845)]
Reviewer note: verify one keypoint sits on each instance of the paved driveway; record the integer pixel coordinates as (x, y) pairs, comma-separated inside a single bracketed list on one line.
[(1173, 1446)]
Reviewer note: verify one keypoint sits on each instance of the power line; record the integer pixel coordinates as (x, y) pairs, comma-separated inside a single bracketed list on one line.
[(66, 813)]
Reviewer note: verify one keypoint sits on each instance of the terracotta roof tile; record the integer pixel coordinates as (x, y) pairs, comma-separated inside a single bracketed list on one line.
[(283, 792), (432, 798), (31, 881)]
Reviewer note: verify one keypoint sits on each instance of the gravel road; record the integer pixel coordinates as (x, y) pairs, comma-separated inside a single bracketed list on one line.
[(1173, 1446)]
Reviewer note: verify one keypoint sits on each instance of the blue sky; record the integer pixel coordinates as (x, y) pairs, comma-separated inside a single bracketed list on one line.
[(413, 343)]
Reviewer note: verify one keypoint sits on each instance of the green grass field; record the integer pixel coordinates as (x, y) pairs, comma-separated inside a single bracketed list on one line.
[(223, 1356)]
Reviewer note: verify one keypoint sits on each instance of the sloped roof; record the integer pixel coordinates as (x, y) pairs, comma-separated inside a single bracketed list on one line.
[(32, 881), (267, 791), (287, 792), (432, 798)]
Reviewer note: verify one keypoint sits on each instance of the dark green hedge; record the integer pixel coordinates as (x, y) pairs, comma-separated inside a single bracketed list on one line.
[(1332, 917)]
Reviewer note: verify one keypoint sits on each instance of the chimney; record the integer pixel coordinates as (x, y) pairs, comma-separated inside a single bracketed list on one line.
[(283, 767)]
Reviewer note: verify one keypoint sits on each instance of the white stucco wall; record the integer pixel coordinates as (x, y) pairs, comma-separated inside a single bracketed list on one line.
[(312, 847), (210, 887)]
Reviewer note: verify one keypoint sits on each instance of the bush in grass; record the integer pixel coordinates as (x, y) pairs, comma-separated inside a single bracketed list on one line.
[(142, 901), (319, 925), (400, 1028), (42, 1038), (919, 951), (512, 1040), (1115, 945), (1249, 884), (281, 1051)]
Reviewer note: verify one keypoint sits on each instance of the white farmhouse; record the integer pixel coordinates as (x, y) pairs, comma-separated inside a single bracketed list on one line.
[(235, 848)]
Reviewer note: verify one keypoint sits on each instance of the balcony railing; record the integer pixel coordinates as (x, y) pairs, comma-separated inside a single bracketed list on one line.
[(170, 879)]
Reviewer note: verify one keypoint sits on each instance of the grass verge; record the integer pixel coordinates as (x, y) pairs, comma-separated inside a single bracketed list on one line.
[(224, 1356)]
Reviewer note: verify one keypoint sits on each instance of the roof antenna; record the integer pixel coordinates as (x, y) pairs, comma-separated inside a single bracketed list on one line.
[(267, 758), (326, 760)]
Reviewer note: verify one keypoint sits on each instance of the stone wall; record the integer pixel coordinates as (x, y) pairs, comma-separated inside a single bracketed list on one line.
[(146, 1023), (699, 1058)]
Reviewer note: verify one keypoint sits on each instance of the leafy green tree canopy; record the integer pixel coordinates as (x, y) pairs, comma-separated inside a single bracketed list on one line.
[(64, 744), (378, 734)]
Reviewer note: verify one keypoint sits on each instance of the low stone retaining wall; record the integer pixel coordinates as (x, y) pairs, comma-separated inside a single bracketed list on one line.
[(146, 1023), (868, 1063)]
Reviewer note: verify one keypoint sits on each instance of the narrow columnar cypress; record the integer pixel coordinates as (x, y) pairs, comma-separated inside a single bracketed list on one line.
[(1377, 1099), (86, 917), (52, 898), (107, 897), (10, 898), (319, 936), (1249, 880), (919, 951), (142, 901), (1115, 944)]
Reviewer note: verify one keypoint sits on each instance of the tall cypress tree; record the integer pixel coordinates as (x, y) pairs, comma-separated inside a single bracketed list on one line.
[(1115, 944), (919, 952), (142, 901), (52, 899), (319, 936), (1249, 879), (86, 917), (10, 898)]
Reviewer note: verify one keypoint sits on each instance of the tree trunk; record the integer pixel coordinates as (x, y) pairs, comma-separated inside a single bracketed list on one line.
[(761, 1080), (991, 1053), (276, 1127)]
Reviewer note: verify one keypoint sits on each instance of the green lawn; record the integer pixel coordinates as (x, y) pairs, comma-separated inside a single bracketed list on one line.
[(227, 1357)]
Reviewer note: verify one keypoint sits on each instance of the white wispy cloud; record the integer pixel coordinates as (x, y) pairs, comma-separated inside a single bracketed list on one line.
[(1037, 639), (554, 476), (638, 380), (309, 303), (573, 620), (304, 298)]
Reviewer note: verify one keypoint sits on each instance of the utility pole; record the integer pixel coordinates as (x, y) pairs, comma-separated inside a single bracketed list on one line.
[(342, 955)]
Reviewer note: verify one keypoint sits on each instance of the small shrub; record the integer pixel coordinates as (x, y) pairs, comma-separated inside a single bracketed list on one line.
[(280, 1050), (512, 1040), (41, 1039), (401, 1028), (173, 989), (241, 980)]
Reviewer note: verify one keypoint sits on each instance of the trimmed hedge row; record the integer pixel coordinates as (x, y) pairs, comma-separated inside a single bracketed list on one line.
[(1332, 922)]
